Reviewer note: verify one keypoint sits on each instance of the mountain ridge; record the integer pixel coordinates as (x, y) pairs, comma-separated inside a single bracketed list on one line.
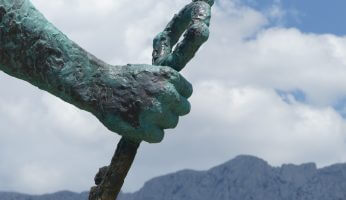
[(244, 177)]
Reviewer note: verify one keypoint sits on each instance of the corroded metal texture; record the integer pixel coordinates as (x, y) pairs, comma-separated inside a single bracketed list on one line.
[(136, 101), (194, 20), (109, 180), (195, 17)]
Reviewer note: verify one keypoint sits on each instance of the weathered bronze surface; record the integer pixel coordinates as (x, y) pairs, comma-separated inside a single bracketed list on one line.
[(194, 20), (137, 101), (110, 179)]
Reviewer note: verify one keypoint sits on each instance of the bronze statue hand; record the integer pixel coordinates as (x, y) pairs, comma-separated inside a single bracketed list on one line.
[(138, 101), (135, 101)]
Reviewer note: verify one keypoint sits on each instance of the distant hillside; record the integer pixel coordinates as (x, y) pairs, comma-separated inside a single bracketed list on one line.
[(64, 195), (243, 178)]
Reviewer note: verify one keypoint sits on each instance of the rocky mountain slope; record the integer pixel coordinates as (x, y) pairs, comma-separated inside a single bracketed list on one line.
[(64, 195), (245, 178)]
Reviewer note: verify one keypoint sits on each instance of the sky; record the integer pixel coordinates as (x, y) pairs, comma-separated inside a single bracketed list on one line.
[(270, 82)]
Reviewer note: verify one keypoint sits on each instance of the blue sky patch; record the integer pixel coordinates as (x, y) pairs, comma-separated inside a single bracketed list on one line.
[(340, 107), (312, 16), (288, 96)]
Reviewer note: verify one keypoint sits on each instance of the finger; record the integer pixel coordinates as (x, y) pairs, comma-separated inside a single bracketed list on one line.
[(175, 102), (197, 32), (161, 48), (183, 86), (201, 12), (195, 36), (153, 134), (152, 122), (168, 120), (183, 108), (180, 83), (179, 104)]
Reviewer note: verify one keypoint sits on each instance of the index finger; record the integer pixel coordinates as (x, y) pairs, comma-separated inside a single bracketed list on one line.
[(183, 86)]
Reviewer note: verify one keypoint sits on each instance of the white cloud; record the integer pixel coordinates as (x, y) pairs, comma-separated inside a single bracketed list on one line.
[(280, 58), (235, 109), (36, 176), (45, 143), (262, 124)]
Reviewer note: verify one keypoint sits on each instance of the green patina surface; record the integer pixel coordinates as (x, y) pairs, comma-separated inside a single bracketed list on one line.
[(193, 20), (137, 101)]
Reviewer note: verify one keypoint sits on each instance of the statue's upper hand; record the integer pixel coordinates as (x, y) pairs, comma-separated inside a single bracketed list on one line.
[(139, 101)]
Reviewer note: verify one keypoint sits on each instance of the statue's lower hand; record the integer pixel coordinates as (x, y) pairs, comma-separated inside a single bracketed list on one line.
[(139, 101)]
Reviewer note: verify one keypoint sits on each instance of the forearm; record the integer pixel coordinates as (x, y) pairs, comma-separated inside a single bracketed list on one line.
[(127, 99), (33, 50)]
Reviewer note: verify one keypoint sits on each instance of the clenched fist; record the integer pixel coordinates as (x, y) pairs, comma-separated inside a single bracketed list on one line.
[(138, 101)]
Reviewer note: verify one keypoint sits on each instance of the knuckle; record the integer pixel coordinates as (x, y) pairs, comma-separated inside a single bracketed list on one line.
[(172, 96), (169, 73), (155, 135), (183, 108), (168, 120)]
